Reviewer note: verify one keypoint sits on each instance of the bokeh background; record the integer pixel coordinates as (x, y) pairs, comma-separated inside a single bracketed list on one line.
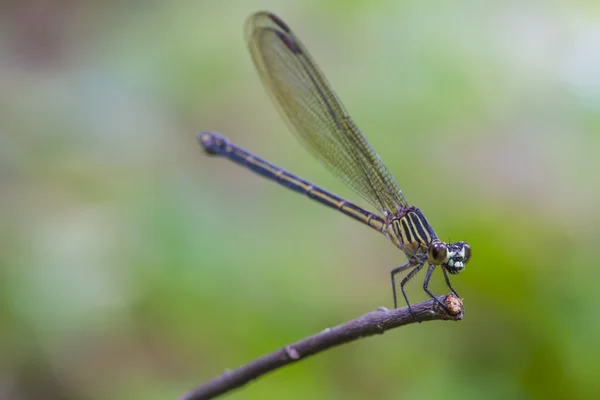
[(133, 266)]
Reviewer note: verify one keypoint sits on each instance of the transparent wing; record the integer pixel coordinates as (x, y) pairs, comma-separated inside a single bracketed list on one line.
[(315, 114)]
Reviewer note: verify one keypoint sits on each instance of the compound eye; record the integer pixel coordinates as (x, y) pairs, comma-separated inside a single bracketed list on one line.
[(438, 253), (467, 249)]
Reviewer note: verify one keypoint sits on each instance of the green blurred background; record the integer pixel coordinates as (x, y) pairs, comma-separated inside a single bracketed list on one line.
[(133, 266)]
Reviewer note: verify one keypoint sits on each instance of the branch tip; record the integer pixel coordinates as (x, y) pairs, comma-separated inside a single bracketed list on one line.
[(372, 323), (454, 304)]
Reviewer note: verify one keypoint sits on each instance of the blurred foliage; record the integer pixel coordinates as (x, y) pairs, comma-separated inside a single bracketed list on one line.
[(132, 266)]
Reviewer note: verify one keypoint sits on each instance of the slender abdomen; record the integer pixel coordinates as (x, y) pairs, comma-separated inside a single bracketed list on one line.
[(216, 144)]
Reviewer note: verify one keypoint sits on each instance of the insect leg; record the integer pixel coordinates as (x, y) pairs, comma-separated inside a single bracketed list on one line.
[(406, 279), (426, 285), (393, 273), (447, 278)]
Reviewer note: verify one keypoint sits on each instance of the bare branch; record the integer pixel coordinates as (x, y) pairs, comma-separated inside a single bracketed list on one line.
[(374, 322)]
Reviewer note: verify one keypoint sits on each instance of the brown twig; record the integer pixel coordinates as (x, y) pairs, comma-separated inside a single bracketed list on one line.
[(374, 322)]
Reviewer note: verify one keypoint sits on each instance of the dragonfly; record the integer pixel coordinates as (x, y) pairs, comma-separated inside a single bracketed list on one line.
[(315, 114)]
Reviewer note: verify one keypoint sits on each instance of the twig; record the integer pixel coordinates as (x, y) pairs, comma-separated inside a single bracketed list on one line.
[(374, 322)]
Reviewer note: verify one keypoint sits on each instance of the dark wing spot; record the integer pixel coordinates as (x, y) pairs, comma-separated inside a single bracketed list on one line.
[(289, 42), (279, 23)]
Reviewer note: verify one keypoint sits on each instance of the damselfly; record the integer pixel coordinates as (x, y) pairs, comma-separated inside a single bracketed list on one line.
[(315, 114)]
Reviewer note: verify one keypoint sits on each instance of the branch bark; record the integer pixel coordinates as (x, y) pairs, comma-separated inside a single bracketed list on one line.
[(374, 322)]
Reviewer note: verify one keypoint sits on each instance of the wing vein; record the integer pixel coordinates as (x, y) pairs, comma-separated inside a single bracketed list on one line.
[(314, 113)]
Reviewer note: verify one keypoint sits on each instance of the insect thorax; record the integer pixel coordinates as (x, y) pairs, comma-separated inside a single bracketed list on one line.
[(410, 231)]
